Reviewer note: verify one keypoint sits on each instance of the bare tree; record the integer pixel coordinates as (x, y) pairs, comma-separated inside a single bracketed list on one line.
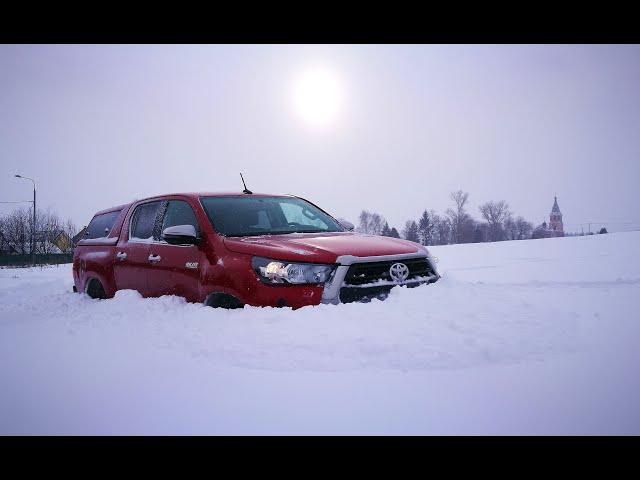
[(4, 244), (48, 229), (524, 228), (510, 229), (456, 225), (70, 229), (371, 223), (467, 230), (495, 213), (377, 224), (364, 222), (460, 198), (16, 229), (461, 223), (540, 231), (480, 232), (442, 230)]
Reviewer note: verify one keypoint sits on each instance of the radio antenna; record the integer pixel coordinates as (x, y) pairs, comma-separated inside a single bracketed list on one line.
[(247, 191)]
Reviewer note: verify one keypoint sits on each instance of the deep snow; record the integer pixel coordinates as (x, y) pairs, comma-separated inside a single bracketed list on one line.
[(529, 337)]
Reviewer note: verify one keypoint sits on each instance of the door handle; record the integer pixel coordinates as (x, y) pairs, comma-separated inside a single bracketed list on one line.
[(121, 255), (154, 258)]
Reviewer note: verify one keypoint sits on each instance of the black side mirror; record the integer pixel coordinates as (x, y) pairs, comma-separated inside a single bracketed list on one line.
[(181, 235)]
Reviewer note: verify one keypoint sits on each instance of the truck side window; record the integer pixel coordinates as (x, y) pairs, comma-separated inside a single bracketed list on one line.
[(179, 212), (101, 225), (144, 220)]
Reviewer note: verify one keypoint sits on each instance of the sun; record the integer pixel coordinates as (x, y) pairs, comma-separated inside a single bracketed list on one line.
[(318, 96)]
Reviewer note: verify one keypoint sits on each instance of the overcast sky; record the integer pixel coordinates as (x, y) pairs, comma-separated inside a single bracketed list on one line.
[(98, 126)]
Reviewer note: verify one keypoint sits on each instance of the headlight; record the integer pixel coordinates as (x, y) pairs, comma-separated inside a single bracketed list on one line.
[(277, 271)]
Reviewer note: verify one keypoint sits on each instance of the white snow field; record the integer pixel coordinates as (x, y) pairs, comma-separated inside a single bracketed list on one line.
[(529, 337)]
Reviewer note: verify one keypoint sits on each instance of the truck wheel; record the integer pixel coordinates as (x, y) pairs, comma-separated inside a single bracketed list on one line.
[(95, 289), (222, 300)]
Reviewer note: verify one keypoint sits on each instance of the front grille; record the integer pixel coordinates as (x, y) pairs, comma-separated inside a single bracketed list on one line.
[(356, 286), (363, 273)]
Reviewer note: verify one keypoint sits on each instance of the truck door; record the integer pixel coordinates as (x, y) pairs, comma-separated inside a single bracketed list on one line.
[(176, 268), (132, 251)]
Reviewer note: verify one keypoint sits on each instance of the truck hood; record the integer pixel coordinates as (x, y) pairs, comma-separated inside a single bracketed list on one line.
[(319, 247)]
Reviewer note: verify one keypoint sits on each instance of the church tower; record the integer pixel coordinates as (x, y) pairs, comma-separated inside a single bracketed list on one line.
[(555, 220)]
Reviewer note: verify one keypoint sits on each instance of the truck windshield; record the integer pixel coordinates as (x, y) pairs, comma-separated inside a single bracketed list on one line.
[(242, 216)]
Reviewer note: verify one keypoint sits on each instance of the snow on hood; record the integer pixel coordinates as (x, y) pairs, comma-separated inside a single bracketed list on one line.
[(320, 247)]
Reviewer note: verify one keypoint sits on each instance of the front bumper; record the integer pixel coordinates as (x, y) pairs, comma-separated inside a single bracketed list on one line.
[(337, 291)]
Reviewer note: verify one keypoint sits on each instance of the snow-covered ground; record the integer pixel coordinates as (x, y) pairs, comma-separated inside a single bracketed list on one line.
[(530, 337)]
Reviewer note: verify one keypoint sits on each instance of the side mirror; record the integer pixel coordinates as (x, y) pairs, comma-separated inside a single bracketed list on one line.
[(346, 224), (180, 235)]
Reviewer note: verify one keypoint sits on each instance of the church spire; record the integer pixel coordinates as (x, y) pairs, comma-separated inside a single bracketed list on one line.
[(555, 219)]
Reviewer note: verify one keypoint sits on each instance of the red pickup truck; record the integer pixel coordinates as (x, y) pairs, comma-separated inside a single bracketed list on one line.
[(230, 249)]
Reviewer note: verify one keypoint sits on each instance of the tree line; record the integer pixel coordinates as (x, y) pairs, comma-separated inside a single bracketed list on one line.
[(456, 225), (16, 230)]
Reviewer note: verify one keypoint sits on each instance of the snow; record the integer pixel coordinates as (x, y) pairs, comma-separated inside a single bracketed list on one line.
[(528, 337), (382, 283)]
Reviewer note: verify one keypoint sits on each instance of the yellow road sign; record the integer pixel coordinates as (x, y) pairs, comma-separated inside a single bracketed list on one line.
[(63, 242)]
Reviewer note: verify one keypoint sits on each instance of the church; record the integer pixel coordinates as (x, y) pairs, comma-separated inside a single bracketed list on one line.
[(556, 228)]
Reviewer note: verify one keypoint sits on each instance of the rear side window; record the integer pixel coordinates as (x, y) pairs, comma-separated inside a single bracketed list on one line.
[(101, 225), (143, 221), (179, 212)]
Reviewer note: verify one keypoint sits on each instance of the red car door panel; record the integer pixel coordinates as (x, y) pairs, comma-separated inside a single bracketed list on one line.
[(175, 272), (175, 269), (130, 266), (132, 263)]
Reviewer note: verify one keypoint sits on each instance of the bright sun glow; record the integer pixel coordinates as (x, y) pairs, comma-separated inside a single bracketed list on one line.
[(317, 96)]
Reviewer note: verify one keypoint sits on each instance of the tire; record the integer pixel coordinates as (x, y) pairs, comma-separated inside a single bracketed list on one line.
[(95, 289), (222, 300)]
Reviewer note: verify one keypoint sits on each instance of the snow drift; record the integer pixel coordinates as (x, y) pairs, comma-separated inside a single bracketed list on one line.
[(517, 337)]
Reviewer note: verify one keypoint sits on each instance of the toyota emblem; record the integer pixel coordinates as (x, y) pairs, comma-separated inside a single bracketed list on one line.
[(399, 272)]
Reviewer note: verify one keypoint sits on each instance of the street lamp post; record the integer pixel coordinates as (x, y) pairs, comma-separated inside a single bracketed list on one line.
[(33, 231)]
